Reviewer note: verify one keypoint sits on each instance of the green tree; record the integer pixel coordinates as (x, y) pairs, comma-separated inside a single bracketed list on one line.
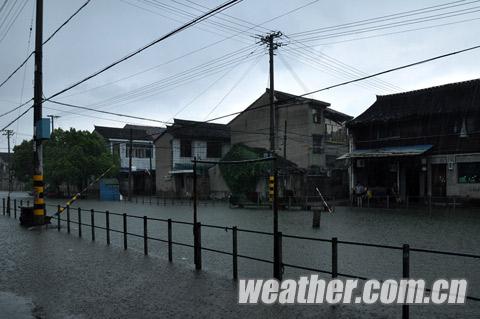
[(242, 179), (70, 157)]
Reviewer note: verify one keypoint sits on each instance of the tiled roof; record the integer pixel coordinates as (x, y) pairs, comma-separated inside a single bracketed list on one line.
[(199, 130), (460, 97), (122, 133)]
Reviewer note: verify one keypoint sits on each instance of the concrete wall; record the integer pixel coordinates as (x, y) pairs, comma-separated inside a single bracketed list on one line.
[(252, 129), (137, 163), (163, 151), (453, 187)]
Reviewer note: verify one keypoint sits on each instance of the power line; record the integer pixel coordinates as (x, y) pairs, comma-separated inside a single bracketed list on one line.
[(66, 22), (17, 118), (48, 39), (199, 49), (162, 38), (12, 22)]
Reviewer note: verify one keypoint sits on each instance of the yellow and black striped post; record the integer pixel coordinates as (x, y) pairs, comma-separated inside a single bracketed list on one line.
[(39, 200), (271, 186)]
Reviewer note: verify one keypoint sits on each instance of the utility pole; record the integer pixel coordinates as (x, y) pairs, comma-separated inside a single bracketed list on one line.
[(53, 117), (38, 181), (9, 133), (285, 141), (272, 46), (130, 166)]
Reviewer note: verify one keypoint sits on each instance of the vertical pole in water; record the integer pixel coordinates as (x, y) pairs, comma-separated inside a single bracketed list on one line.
[(107, 226), (79, 210), (124, 231), (58, 217), (145, 235), (170, 240), (334, 257), (406, 275), (234, 252), (15, 208), (92, 223), (195, 226), (68, 219)]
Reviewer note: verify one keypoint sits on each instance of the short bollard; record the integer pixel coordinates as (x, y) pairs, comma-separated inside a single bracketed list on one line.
[(79, 222), (234, 253), (145, 236), (406, 275), (317, 215), (58, 217), (124, 231), (107, 226), (170, 240), (92, 223), (334, 257)]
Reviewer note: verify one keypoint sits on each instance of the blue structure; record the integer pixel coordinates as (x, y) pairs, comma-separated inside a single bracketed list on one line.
[(109, 189)]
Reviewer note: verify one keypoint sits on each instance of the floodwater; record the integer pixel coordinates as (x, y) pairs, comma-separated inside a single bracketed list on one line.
[(442, 229)]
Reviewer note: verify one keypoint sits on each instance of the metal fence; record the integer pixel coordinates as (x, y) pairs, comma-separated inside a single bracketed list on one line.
[(86, 220)]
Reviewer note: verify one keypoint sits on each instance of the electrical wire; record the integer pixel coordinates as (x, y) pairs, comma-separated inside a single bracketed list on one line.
[(162, 38)]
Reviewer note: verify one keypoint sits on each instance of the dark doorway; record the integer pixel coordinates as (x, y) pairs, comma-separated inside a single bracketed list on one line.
[(412, 181), (439, 180)]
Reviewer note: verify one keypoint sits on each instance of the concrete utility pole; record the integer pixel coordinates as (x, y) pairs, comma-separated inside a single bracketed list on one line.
[(53, 117), (272, 46), (38, 181), (130, 166), (9, 133)]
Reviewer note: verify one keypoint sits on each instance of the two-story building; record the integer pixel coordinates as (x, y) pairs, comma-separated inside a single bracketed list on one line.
[(419, 143), (308, 133), (178, 145), (143, 155)]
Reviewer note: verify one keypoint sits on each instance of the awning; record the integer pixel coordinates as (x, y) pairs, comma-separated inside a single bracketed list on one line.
[(390, 151), (182, 171)]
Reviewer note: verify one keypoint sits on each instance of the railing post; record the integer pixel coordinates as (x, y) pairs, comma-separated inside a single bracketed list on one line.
[(8, 206), (334, 257), (92, 223), (197, 234), (58, 217), (79, 210), (107, 226), (170, 240), (124, 231), (280, 255), (68, 219), (15, 208), (3, 205), (145, 235), (406, 275), (21, 203), (235, 253)]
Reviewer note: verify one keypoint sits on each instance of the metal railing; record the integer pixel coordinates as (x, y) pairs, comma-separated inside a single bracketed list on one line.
[(197, 246)]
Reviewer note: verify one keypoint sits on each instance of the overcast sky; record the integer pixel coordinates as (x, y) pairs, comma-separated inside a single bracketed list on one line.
[(152, 84)]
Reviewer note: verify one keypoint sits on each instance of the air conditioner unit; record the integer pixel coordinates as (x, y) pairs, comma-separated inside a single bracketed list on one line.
[(450, 162)]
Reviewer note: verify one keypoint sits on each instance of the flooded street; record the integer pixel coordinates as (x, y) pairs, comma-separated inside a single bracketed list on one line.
[(443, 230)]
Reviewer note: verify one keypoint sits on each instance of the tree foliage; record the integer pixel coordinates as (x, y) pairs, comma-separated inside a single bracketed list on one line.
[(242, 179), (70, 157)]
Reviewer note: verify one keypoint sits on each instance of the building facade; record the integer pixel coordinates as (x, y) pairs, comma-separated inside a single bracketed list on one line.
[(143, 155), (419, 144), (308, 133), (178, 145)]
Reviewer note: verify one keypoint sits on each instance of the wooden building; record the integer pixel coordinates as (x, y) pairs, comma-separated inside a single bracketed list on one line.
[(420, 143)]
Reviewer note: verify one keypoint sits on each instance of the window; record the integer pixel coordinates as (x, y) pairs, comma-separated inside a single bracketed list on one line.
[(138, 150), (214, 149), (468, 173), (116, 149), (185, 148), (317, 116), (317, 144)]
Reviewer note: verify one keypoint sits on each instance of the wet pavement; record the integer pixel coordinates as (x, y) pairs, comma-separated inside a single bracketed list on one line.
[(87, 280)]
